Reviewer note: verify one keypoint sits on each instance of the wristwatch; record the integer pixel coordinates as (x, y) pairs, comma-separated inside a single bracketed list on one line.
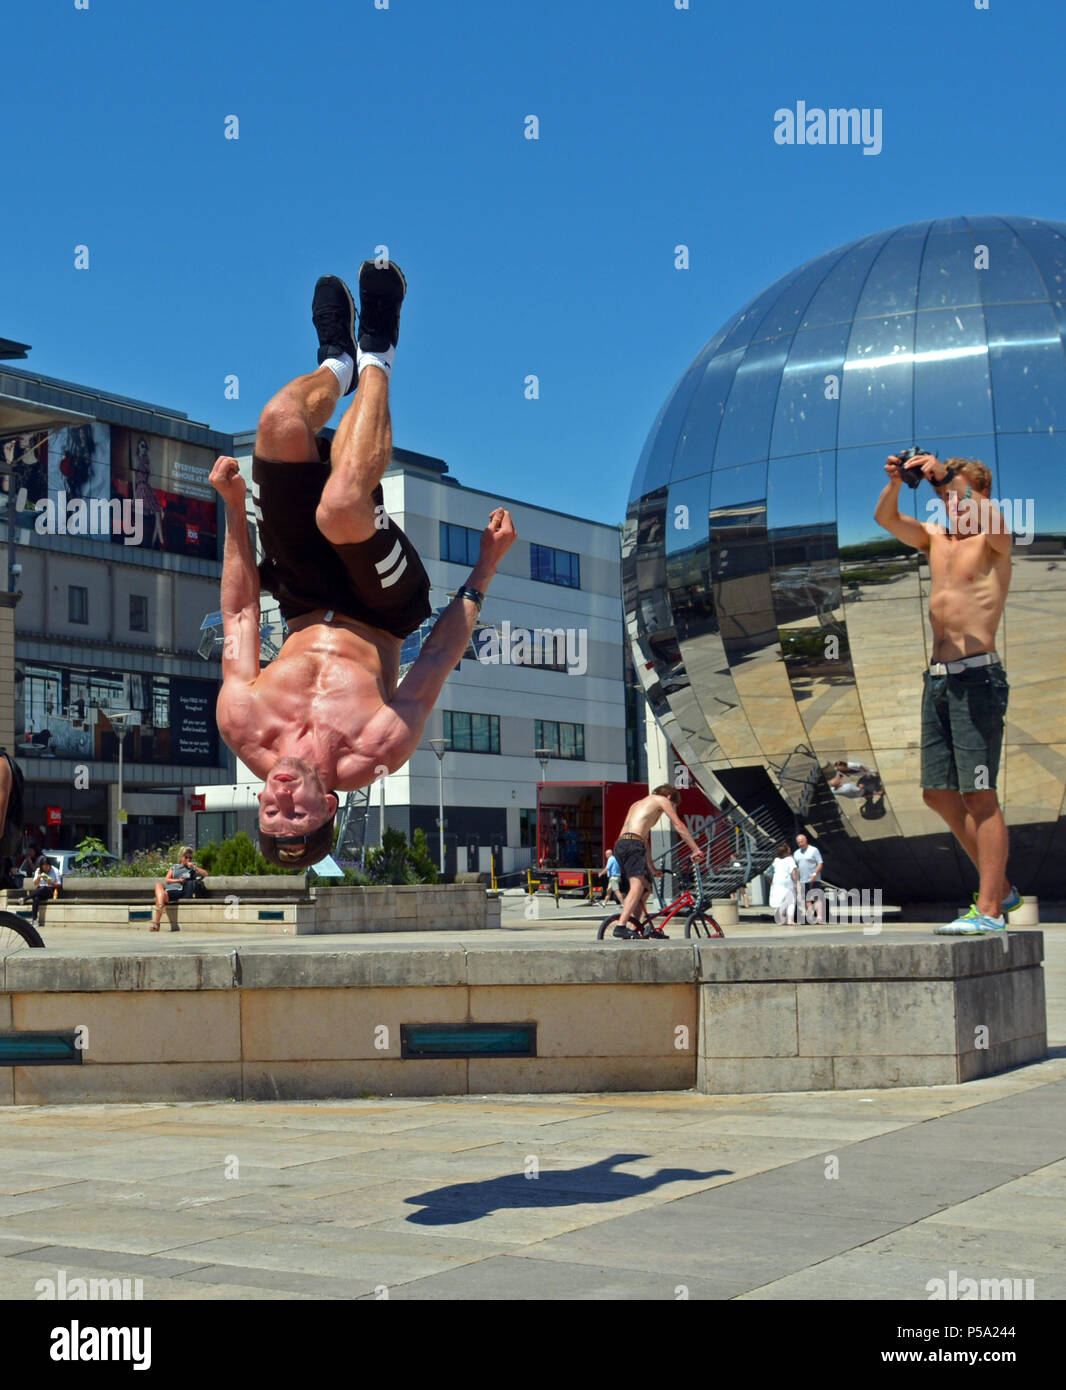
[(475, 595)]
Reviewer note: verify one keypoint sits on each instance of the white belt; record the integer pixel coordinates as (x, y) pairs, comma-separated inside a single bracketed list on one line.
[(944, 668)]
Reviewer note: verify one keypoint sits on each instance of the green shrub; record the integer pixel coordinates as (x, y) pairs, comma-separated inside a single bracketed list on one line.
[(398, 862)]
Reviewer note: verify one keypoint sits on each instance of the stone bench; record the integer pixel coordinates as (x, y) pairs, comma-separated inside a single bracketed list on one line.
[(271, 905)]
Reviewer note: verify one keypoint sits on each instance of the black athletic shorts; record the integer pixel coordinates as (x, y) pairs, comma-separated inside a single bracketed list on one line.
[(381, 582), (632, 853)]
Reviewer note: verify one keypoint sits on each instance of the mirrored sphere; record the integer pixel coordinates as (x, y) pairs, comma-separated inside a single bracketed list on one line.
[(779, 632)]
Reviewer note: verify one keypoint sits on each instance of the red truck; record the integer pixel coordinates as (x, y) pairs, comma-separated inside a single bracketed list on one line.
[(578, 822)]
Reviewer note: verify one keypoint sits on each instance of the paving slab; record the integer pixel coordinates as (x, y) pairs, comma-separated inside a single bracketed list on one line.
[(95, 1225), (503, 1278)]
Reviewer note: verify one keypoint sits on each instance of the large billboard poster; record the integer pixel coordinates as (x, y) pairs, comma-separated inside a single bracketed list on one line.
[(167, 481), (106, 481), (66, 712)]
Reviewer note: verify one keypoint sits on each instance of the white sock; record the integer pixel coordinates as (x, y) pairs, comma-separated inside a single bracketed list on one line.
[(342, 368), (376, 359)]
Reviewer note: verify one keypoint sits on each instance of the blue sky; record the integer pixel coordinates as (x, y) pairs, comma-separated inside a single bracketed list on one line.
[(553, 257)]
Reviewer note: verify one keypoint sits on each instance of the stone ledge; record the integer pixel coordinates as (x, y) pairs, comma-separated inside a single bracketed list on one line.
[(49, 970), (868, 958)]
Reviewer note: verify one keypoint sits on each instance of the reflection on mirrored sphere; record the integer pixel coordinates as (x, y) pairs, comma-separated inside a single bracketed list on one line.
[(779, 632)]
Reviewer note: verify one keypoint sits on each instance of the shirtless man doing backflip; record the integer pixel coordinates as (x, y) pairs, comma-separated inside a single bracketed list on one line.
[(326, 715), (633, 851), (964, 696)]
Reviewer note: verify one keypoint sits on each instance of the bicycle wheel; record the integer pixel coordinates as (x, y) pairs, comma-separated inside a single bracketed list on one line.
[(608, 924), (15, 933), (699, 924)]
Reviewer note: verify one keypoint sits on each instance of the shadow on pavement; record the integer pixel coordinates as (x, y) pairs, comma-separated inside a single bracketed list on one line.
[(596, 1182)]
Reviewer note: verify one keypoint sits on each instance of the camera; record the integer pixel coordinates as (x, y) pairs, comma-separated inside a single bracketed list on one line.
[(910, 474)]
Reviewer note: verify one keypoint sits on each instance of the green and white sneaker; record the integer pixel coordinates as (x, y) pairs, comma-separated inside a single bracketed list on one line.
[(972, 923)]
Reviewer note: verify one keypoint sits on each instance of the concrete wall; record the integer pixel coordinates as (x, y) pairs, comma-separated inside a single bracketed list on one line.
[(284, 1025)]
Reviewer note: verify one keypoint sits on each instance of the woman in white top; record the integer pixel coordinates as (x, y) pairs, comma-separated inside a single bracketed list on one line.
[(784, 886)]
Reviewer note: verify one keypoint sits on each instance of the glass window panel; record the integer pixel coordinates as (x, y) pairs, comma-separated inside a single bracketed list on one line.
[(733, 487), (1030, 471), (1011, 274), (566, 740), (745, 432), (479, 729), (1047, 246), (538, 562), (801, 491), (686, 513), (876, 397), (748, 321), (949, 276), (1028, 367), (786, 312), (890, 287), (657, 457), (952, 386), (839, 292), (699, 432), (804, 419)]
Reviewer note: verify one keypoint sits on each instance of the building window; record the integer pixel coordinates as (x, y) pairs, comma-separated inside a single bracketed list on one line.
[(555, 566), (138, 613), (527, 829), (561, 740), (77, 604), (472, 733), (459, 544)]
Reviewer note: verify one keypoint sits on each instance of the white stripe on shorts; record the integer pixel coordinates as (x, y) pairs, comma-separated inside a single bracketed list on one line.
[(383, 566), (387, 583)]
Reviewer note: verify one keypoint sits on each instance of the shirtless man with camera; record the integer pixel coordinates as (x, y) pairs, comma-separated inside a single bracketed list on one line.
[(965, 689)]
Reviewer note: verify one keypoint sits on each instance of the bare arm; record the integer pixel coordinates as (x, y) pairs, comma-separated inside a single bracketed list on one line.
[(682, 828), (240, 609), (394, 733), (240, 580), (887, 513)]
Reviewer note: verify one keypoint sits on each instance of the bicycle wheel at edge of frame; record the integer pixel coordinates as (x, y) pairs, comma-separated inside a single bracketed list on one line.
[(12, 922), (711, 928), (607, 923)]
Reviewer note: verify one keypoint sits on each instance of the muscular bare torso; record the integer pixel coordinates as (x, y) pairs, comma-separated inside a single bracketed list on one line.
[(969, 582), (315, 699)]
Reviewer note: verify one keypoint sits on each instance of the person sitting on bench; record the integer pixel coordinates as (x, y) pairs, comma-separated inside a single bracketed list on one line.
[(46, 885), (182, 881)]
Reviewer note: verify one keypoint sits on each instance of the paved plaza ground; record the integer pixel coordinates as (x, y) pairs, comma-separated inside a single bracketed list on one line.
[(648, 1196)]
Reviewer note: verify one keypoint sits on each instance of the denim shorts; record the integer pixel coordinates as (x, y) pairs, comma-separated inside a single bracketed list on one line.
[(962, 728)]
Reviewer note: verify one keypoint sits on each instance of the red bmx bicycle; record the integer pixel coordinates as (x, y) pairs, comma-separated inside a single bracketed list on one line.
[(699, 921)]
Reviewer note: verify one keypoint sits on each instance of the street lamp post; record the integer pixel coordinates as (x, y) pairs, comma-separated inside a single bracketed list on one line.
[(118, 722), (542, 755), (440, 747)]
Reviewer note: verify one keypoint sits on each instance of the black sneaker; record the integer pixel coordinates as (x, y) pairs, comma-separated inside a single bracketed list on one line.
[(656, 934), (381, 292), (333, 314), (624, 934)]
